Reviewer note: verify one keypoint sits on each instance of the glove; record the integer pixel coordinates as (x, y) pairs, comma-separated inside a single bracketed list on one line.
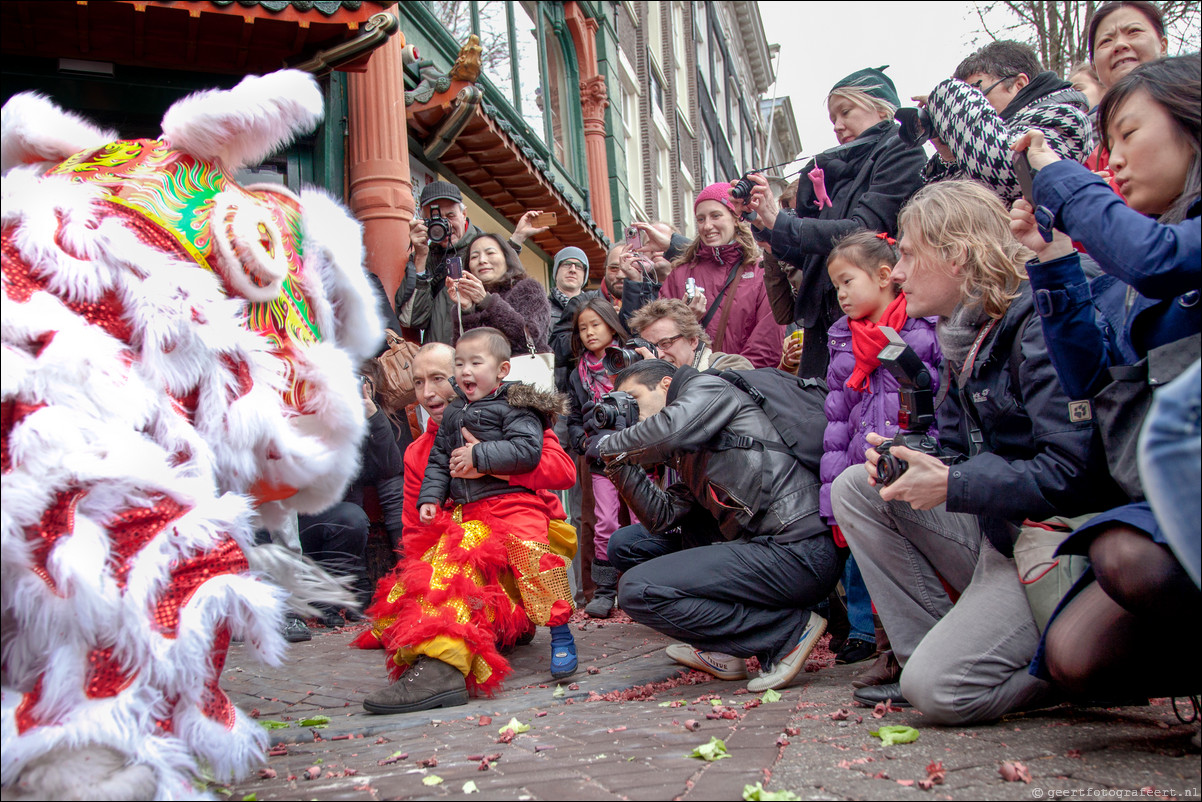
[(592, 453)]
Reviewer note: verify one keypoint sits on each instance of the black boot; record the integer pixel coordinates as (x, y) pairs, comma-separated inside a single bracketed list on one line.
[(606, 595)]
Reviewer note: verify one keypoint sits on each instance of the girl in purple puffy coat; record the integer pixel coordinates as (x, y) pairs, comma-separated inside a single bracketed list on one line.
[(862, 393)]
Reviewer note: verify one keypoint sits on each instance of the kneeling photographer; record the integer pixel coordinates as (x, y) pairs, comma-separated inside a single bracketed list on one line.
[(731, 557)]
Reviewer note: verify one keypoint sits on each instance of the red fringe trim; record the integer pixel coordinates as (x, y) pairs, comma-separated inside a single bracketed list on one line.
[(409, 625)]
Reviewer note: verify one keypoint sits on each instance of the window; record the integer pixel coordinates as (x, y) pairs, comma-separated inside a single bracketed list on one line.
[(663, 184), (656, 86), (633, 140), (679, 59), (528, 62)]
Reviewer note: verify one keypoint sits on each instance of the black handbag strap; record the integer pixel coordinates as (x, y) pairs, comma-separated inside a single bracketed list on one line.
[(713, 310)]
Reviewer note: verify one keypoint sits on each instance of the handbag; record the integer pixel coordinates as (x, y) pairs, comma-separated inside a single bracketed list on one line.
[(533, 369), (1046, 576), (1123, 404), (394, 388)]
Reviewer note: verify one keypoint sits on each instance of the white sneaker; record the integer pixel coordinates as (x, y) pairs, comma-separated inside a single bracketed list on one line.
[(791, 664), (722, 666)]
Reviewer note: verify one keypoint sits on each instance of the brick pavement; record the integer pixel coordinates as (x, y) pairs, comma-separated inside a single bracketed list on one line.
[(583, 747)]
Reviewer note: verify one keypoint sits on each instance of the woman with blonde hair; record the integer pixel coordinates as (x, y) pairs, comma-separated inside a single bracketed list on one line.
[(860, 184)]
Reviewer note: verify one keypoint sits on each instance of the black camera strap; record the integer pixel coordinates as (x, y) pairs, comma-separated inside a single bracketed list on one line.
[(713, 310)]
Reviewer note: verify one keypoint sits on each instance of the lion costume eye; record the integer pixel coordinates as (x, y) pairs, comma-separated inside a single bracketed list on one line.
[(250, 247)]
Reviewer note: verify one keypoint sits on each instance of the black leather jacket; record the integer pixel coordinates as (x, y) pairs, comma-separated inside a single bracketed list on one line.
[(749, 491)]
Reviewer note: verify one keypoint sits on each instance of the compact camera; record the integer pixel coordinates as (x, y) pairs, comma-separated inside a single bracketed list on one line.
[(619, 357), (616, 408), (438, 229), (916, 407)]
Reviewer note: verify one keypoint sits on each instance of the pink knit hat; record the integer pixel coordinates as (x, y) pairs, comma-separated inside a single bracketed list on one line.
[(716, 192)]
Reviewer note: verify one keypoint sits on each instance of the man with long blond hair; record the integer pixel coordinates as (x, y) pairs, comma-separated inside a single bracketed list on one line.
[(1018, 449)]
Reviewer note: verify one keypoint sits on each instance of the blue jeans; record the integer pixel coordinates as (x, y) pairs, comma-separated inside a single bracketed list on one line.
[(1170, 465), (859, 605)]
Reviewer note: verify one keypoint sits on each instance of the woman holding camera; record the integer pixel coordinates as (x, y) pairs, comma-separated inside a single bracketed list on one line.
[(1147, 306), (495, 291), (727, 291), (861, 184)]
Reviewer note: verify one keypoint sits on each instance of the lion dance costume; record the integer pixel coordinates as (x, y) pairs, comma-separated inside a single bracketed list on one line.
[(179, 359)]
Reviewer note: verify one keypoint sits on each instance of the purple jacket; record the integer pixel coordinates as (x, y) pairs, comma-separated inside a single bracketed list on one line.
[(851, 414), (751, 331)]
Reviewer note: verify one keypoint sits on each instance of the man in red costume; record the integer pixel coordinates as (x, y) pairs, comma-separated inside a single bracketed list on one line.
[(450, 603)]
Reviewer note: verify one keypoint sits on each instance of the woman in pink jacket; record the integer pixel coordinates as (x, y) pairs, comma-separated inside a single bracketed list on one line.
[(730, 299)]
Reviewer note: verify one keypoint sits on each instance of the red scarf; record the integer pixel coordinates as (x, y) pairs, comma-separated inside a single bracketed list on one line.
[(867, 340)]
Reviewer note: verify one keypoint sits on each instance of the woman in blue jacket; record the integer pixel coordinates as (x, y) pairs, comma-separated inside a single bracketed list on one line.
[(1151, 252)]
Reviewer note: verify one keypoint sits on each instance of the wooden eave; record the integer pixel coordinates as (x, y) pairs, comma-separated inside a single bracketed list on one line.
[(194, 36), (485, 158)]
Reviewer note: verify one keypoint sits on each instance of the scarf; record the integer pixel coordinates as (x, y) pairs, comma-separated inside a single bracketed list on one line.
[(1042, 85), (593, 378), (557, 297), (957, 333), (867, 340)]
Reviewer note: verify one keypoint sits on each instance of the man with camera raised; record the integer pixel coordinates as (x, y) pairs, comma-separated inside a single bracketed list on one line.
[(440, 238), (732, 557), (1014, 447)]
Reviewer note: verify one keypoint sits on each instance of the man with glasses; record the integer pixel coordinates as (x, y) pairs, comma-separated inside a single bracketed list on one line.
[(995, 94), (669, 325)]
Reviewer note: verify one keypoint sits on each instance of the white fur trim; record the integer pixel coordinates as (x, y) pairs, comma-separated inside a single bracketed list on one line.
[(34, 129), (244, 125)]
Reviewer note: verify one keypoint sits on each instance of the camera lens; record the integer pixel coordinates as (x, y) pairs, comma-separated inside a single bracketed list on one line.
[(889, 469), (436, 231), (742, 189)]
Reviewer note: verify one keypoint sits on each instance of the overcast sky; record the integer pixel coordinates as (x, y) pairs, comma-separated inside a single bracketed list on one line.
[(921, 42)]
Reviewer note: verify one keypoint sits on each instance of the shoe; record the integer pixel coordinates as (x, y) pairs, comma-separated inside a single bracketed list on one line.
[(428, 684), (884, 670), (873, 695), (791, 664), (522, 640), (295, 630), (720, 665), (331, 619), (854, 651), (563, 652), (600, 606), (605, 597)]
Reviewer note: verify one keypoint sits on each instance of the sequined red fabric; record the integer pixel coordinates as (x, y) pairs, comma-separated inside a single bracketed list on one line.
[(188, 575), (133, 528)]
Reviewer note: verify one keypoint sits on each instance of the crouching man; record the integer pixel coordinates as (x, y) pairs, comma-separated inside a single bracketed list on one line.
[(732, 557)]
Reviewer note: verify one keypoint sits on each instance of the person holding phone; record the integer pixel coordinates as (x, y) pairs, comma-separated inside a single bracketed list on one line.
[(495, 291), (422, 303)]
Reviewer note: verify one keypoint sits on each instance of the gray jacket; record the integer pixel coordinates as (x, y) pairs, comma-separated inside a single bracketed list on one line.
[(750, 492)]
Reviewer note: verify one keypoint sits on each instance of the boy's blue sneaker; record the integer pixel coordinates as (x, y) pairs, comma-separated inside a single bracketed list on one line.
[(563, 652)]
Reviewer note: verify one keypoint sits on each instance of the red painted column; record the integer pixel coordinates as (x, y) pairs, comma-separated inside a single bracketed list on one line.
[(594, 99), (381, 191)]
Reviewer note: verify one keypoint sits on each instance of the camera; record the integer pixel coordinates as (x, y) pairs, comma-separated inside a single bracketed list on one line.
[(634, 238), (916, 125), (916, 407), (619, 357), (741, 190), (438, 230), (616, 407), (690, 288)]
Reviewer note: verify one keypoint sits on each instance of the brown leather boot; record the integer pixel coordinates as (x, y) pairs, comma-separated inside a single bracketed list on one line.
[(428, 684), (885, 669)]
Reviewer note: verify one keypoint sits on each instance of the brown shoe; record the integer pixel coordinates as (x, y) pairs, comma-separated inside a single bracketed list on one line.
[(883, 671), (428, 684)]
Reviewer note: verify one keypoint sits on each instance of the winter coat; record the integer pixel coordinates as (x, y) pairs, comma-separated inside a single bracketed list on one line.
[(635, 295), (516, 305), (751, 330), (1026, 455), (980, 138), (1148, 297), (852, 414), (509, 423), (750, 492), (868, 181)]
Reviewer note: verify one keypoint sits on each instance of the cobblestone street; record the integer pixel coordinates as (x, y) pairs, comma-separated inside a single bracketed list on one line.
[(623, 726)]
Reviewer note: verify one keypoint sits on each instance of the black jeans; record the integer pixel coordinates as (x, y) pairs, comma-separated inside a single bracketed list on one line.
[(336, 538), (740, 597)]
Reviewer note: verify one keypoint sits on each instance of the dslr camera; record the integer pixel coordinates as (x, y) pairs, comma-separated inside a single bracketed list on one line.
[(619, 357), (616, 410), (916, 407), (438, 230)]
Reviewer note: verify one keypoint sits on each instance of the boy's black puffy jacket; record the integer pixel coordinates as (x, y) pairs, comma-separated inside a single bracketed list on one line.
[(509, 424), (749, 491)]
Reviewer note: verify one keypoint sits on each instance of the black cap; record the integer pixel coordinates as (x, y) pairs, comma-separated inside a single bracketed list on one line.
[(440, 190)]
